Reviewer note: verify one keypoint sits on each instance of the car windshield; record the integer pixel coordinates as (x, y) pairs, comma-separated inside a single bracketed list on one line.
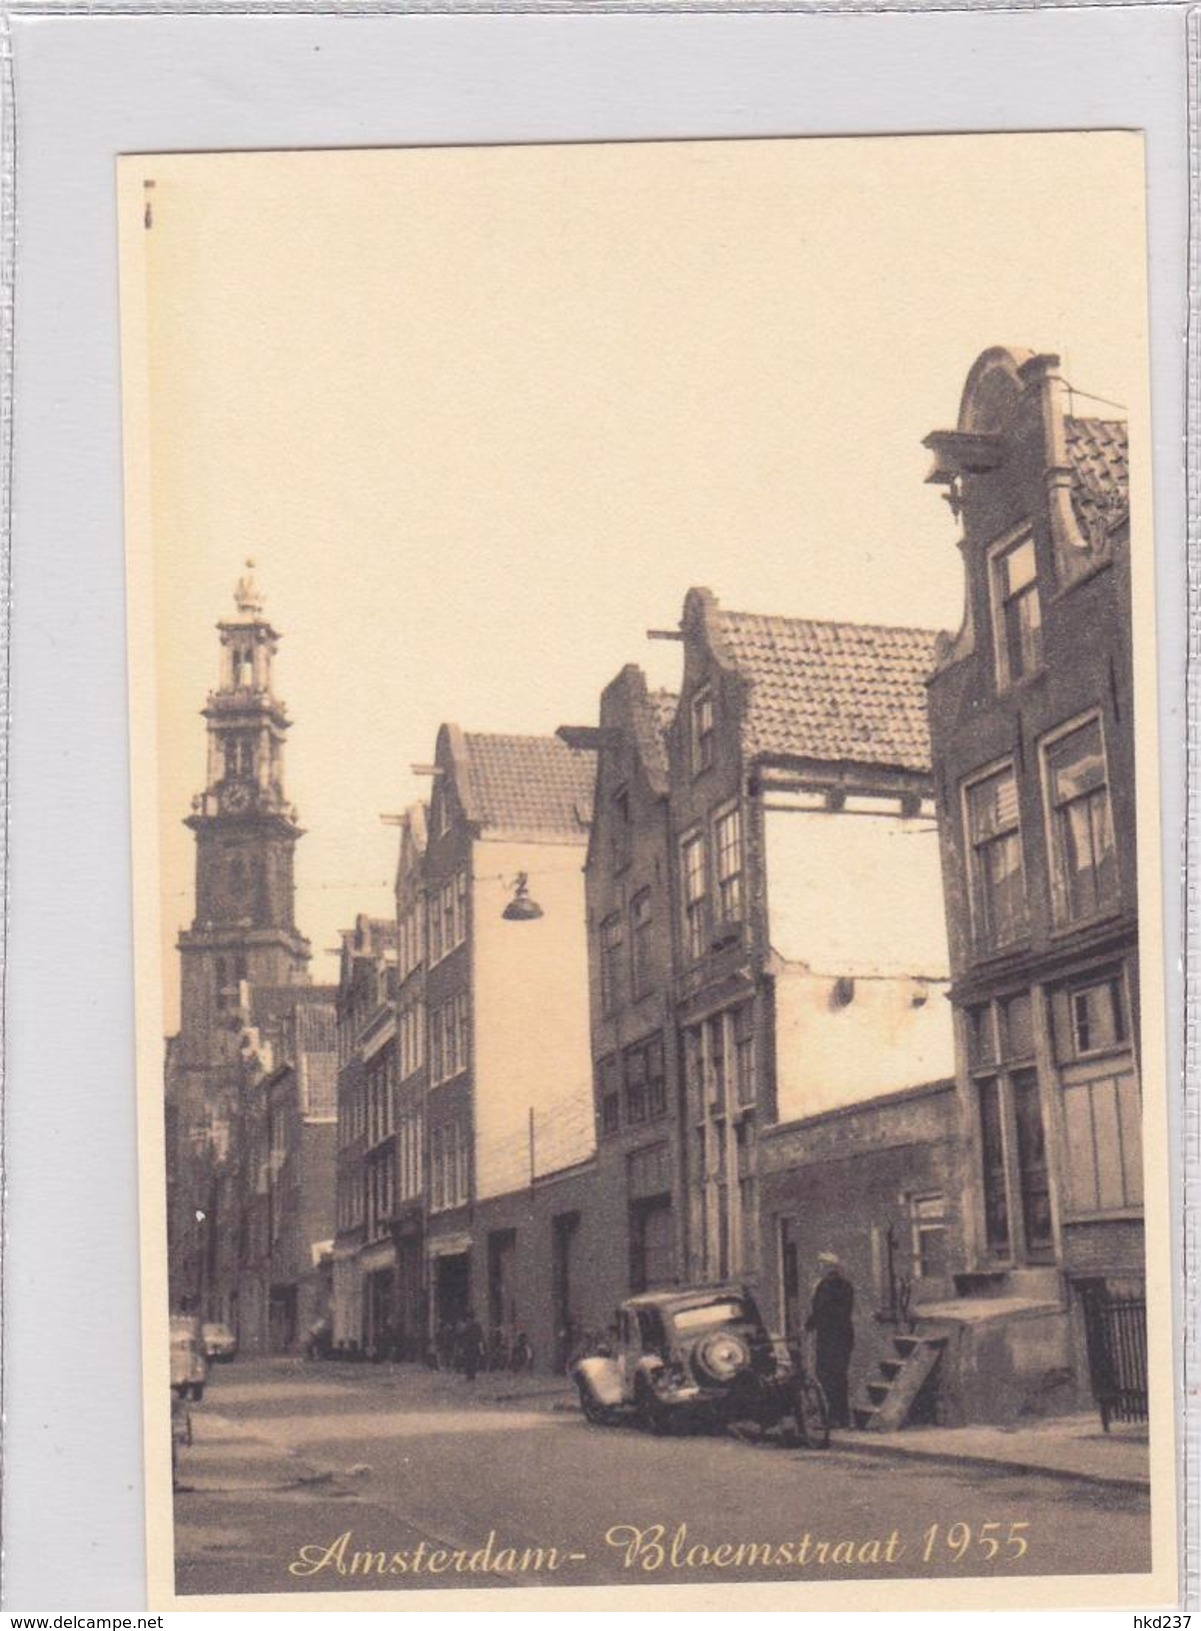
[(723, 1313)]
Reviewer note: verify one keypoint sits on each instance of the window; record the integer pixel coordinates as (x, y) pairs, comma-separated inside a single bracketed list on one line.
[(992, 1151), (409, 1155), (446, 915), (462, 1013), (462, 1174), (1082, 847), (929, 1215), (461, 905), (381, 1195), (1017, 613), (1015, 1173), (610, 962), (727, 842), (1098, 1017), (438, 1169), (656, 1079), (641, 920), (450, 1166), (610, 1113), (1102, 1103), (608, 1096), (450, 1038), (744, 1053), (717, 1063), (694, 1072), (995, 861), (645, 1083), (702, 731), (1017, 1027), (239, 755), (409, 952), (696, 912), (635, 1067), (410, 1041), (981, 1039)]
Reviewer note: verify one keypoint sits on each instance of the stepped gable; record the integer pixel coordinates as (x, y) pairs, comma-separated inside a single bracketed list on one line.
[(833, 691), (652, 720), (529, 784)]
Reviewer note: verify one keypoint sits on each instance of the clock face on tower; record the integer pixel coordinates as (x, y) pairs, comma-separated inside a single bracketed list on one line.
[(236, 796)]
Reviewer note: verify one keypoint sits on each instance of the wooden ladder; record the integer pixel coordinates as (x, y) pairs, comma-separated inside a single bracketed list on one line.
[(902, 1376)]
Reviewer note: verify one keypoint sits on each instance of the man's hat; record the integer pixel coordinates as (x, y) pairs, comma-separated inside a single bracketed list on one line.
[(829, 1258)]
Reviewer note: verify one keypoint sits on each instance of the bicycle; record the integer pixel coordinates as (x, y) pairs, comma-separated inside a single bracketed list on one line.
[(810, 1412)]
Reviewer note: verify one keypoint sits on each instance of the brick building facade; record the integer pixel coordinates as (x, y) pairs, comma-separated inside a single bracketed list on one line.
[(508, 1106), (1031, 712), (631, 907)]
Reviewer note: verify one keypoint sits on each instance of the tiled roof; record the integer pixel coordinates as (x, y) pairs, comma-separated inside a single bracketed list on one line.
[(833, 691), (529, 784), (1099, 453)]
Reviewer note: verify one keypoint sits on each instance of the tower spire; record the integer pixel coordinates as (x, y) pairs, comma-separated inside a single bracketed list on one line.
[(246, 829)]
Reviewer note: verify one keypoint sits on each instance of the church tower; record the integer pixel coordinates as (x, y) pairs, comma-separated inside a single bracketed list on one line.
[(244, 929)]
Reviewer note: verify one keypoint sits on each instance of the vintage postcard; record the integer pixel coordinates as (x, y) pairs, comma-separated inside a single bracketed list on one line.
[(643, 695)]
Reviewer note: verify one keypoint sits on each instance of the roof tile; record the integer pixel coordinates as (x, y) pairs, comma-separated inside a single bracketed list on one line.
[(530, 783), (833, 691), (1099, 452)]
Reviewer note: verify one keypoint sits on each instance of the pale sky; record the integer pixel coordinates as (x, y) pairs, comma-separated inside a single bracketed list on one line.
[(482, 417)]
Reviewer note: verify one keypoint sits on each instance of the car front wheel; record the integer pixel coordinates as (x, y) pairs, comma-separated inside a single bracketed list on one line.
[(653, 1415), (594, 1411)]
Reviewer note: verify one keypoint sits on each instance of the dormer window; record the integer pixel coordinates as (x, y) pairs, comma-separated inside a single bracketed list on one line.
[(702, 731), (1017, 612)]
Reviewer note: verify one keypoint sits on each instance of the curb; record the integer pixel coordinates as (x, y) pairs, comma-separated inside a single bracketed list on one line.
[(559, 1393), (1031, 1469)]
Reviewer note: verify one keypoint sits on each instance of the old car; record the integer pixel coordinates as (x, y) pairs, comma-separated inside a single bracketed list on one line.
[(701, 1356), (189, 1364)]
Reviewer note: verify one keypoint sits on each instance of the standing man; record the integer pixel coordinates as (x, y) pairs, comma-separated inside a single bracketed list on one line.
[(834, 1335)]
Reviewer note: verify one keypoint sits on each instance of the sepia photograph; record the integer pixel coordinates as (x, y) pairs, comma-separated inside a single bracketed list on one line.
[(645, 798)]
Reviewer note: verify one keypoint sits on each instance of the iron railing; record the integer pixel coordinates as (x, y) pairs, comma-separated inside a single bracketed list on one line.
[(1116, 1334)]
